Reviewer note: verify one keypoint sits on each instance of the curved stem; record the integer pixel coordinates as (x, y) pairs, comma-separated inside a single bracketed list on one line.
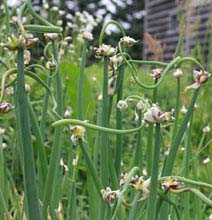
[(186, 180), (117, 24), (64, 122), (196, 192)]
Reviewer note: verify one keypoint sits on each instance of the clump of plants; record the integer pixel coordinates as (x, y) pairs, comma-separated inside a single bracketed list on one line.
[(72, 168)]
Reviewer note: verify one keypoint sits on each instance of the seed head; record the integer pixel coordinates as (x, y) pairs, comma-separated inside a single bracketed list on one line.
[(105, 51)]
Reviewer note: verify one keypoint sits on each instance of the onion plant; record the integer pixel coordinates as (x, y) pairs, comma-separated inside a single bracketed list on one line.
[(95, 171)]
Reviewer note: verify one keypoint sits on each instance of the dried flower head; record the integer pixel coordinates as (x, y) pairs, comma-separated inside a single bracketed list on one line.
[(105, 51), (86, 35), (170, 183), (156, 73), (109, 195), (128, 41), (155, 115), (5, 107), (122, 105), (178, 73), (138, 183), (200, 78), (78, 132)]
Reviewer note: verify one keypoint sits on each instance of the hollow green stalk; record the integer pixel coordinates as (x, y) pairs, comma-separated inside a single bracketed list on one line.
[(149, 150), (174, 147), (91, 167), (3, 189), (151, 205), (81, 82), (55, 154), (138, 154), (186, 167), (26, 143), (104, 156), (40, 143), (119, 137), (45, 107), (176, 110), (7, 17)]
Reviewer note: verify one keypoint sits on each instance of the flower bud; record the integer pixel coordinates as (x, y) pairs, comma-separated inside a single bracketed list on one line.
[(206, 160), (128, 41), (51, 36), (5, 107), (177, 73), (30, 41), (87, 35), (2, 131), (122, 105), (51, 65), (201, 77), (206, 129), (156, 73)]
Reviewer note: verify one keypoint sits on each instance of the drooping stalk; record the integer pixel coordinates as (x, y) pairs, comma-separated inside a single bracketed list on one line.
[(151, 205), (26, 142)]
